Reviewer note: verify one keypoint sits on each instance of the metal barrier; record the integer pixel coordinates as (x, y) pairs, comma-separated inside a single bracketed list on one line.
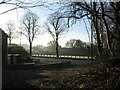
[(14, 59), (64, 56)]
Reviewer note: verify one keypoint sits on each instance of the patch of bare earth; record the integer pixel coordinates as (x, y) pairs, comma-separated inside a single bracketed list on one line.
[(69, 78), (46, 77)]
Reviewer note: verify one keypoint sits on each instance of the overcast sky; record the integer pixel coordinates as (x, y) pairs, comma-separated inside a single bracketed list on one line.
[(78, 31)]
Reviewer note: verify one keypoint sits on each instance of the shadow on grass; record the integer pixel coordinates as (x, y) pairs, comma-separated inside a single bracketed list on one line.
[(17, 76)]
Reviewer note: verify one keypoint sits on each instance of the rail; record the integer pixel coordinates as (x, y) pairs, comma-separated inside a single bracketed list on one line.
[(62, 56)]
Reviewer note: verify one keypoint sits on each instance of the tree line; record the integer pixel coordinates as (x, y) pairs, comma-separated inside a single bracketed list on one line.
[(73, 47), (30, 28), (103, 18)]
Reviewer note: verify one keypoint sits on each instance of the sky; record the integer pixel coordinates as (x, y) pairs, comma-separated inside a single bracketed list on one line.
[(77, 31)]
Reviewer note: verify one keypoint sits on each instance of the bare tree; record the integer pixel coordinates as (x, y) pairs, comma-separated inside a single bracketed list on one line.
[(56, 26), (30, 27), (96, 13), (24, 4), (10, 28)]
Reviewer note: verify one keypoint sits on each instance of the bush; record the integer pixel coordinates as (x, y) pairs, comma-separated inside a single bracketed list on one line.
[(16, 49)]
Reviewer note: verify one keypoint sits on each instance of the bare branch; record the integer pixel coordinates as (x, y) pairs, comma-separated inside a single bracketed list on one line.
[(29, 26), (8, 10)]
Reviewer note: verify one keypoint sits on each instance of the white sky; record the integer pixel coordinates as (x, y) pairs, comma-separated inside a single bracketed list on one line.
[(78, 31)]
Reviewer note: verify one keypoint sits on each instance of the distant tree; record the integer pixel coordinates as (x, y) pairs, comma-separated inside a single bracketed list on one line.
[(30, 28), (74, 43), (10, 28), (70, 43), (38, 49), (51, 47), (51, 44), (56, 26)]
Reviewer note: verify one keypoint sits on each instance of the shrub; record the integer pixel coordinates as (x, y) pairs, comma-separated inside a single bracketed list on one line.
[(16, 49)]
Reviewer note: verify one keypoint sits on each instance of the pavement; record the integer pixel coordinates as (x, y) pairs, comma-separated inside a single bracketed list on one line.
[(72, 61)]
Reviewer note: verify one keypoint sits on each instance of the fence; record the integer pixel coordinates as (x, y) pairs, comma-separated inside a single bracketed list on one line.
[(64, 56)]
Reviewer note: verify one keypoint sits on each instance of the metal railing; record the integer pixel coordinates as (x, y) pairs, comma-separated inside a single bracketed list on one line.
[(64, 56)]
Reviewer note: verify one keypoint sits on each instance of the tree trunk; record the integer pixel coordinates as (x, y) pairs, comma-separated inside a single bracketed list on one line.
[(91, 48), (95, 24), (107, 28), (98, 38), (10, 41), (57, 51), (117, 17), (116, 7), (30, 49)]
